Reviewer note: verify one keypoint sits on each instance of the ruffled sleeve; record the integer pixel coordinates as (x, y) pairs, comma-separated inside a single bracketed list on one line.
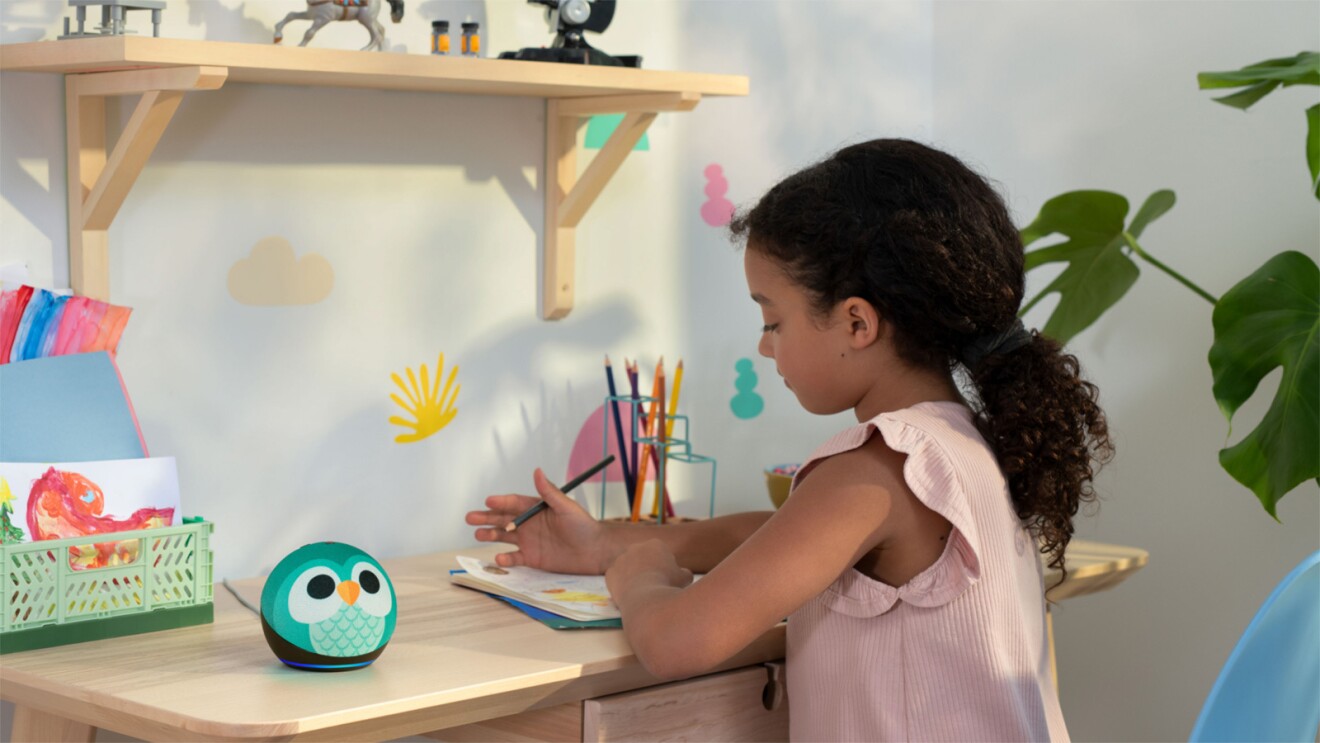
[(929, 471)]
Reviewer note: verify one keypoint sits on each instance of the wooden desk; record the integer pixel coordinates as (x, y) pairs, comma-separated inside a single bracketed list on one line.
[(459, 661)]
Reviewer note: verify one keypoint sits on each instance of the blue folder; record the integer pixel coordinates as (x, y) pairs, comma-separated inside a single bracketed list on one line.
[(70, 408)]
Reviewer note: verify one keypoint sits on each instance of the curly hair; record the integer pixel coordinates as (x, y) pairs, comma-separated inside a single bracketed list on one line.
[(930, 244)]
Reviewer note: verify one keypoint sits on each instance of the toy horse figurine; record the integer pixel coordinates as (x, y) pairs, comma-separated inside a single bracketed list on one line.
[(321, 12)]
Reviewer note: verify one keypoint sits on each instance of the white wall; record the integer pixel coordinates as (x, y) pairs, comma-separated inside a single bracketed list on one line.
[(278, 416)]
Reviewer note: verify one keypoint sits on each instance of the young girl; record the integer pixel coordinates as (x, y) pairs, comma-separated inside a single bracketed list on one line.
[(906, 556)]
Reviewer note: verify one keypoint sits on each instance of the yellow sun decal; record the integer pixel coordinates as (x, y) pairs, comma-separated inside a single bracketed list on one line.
[(430, 407)]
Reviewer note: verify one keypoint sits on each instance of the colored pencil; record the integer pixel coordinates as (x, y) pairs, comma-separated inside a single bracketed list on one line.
[(646, 453), (669, 429), (542, 505), (632, 382), (661, 470), (673, 399), (618, 429)]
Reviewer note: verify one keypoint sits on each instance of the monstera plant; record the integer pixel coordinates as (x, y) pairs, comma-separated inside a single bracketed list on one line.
[(1269, 319)]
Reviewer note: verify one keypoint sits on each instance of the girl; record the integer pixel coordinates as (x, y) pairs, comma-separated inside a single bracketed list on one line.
[(906, 556)]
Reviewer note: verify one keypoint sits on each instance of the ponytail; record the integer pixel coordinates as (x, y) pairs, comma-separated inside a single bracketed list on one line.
[(1044, 424)]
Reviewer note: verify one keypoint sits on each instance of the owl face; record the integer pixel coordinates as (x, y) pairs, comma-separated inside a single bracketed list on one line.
[(328, 606)]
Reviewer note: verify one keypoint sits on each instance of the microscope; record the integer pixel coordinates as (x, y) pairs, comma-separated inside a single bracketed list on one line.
[(569, 19)]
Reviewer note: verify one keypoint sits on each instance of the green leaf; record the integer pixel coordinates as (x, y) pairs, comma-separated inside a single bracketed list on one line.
[(1272, 319), (1099, 270), (1303, 69), (1244, 98), (1313, 146), (1156, 205)]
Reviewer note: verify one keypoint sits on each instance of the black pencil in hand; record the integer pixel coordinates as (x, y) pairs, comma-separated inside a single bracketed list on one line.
[(542, 505)]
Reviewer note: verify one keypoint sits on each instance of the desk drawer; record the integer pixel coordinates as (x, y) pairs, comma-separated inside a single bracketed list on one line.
[(729, 706)]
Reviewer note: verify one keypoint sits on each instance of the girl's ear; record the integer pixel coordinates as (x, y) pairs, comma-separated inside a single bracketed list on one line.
[(863, 322)]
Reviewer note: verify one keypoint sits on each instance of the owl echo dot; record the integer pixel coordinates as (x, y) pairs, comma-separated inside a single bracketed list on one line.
[(328, 606)]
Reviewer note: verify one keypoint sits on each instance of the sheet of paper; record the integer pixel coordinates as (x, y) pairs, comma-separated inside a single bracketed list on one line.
[(69, 499), (576, 594)]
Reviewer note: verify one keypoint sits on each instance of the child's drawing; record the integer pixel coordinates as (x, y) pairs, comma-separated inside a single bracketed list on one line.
[(89, 498), (431, 407), (576, 597), (10, 533)]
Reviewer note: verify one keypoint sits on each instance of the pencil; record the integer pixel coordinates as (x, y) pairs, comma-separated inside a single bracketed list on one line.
[(542, 505), (647, 452), (618, 428), (637, 419), (669, 427), (662, 449), (673, 399)]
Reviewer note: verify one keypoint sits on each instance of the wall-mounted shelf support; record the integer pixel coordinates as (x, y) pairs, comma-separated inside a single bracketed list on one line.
[(162, 70), (567, 196), (98, 183)]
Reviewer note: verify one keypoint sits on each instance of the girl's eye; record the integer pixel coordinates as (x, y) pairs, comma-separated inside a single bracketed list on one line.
[(769, 328)]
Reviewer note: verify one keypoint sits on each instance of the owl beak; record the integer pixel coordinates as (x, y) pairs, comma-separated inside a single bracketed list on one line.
[(349, 591)]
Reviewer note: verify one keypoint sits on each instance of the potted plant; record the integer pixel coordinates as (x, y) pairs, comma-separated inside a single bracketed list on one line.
[(1269, 319)]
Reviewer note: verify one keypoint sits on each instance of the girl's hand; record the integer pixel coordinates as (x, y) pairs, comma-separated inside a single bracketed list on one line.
[(563, 538), (645, 564)]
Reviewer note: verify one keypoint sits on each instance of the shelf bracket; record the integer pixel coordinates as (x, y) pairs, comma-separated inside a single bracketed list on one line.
[(99, 183), (568, 197)]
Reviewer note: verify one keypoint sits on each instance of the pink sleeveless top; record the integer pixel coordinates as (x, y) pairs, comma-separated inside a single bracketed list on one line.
[(959, 652)]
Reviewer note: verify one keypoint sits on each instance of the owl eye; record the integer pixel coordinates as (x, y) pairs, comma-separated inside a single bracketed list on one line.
[(376, 598), (313, 597)]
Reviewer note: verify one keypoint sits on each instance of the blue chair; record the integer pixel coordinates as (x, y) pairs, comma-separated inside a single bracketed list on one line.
[(1269, 689)]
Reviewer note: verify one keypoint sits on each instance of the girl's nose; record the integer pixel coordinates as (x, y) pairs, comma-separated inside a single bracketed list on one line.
[(764, 348)]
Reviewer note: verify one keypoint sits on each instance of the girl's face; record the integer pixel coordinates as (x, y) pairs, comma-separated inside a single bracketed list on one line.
[(806, 347)]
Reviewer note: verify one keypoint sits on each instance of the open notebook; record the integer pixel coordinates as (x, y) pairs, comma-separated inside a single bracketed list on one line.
[(580, 597)]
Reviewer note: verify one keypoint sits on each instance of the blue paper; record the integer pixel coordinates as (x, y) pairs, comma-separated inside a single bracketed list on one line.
[(66, 409)]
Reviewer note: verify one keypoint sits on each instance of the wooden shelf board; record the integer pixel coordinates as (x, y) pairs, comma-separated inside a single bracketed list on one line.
[(292, 65)]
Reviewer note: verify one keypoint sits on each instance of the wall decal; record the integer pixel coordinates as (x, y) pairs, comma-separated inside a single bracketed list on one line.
[(599, 129), (587, 446), (718, 211), (746, 404), (430, 407), (272, 275)]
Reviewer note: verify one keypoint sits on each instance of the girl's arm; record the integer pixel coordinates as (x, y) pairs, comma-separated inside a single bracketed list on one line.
[(835, 516), (565, 538)]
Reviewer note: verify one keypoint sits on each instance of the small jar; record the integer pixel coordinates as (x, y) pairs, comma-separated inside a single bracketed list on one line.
[(471, 40), (439, 37)]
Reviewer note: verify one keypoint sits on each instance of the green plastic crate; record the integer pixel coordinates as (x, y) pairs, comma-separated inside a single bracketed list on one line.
[(46, 602)]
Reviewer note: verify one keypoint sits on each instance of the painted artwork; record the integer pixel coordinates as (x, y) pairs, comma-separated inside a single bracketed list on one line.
[(59, 501), (38, 323), (429, 406), (273, 275), (746, 404), (717, 211)]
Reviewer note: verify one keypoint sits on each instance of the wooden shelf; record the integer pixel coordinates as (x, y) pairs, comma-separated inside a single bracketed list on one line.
[(162, 70)]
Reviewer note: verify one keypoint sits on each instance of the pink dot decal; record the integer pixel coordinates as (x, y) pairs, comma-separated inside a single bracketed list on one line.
[(717, 211)]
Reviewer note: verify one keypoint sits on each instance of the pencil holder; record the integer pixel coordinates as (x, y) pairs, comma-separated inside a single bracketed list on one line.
[(46, 602), (676, 446)]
